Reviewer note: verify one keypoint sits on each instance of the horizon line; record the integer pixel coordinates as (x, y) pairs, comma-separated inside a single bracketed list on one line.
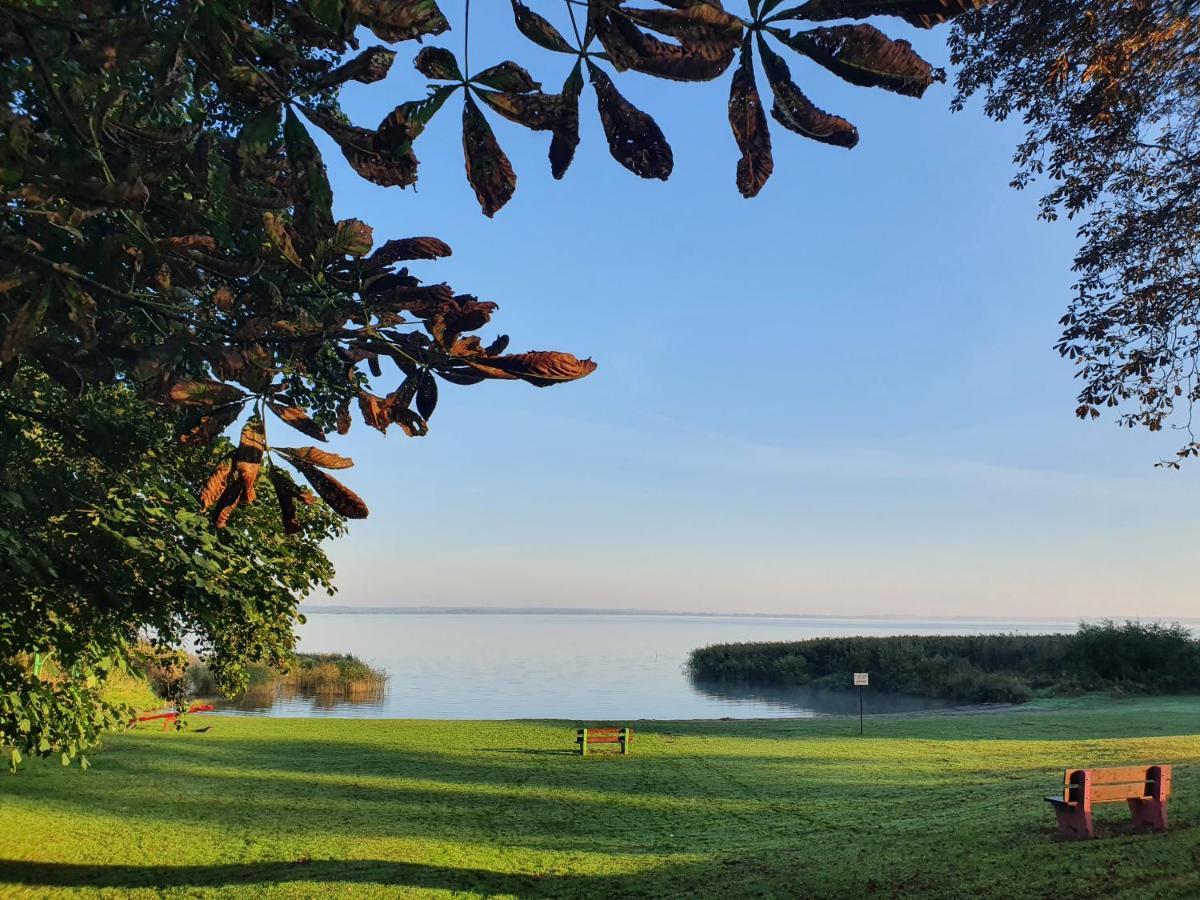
[(354, 609)]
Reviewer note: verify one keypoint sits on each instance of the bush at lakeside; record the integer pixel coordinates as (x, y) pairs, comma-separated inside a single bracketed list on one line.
[(319, 667), (130, 689), (309, 672), (1134, 657)]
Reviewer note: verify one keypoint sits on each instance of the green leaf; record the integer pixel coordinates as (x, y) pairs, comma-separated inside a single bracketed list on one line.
[(413, 116), (327, 12), (354, 237), (24, 326), (313, 197), (263, 130)]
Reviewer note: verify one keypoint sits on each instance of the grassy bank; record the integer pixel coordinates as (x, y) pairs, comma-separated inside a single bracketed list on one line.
[(939, 806), (1133, 657)]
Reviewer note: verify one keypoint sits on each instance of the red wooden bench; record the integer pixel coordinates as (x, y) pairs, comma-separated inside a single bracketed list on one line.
[(585, 736), (171, 715), (1145, 788)]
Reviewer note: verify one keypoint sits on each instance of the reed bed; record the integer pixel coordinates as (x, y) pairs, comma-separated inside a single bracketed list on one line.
[(1131, 657)]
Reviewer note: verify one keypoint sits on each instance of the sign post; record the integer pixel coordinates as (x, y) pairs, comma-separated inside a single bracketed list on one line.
[(860, 682)]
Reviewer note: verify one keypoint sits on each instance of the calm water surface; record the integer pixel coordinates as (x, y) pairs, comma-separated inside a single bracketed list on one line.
[(582, 667)]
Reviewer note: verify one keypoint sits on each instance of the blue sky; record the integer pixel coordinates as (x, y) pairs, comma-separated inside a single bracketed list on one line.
[(839, 397)]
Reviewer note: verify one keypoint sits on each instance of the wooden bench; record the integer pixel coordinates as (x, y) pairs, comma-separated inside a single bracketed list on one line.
[(1145, 788), (585, 736)]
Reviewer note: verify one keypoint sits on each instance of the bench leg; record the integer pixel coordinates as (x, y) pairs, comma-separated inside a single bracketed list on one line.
[(1148, 815), (1074, 822)]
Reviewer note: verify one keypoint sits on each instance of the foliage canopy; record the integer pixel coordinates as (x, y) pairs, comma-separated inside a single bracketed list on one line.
[(101, 539), (169, 220), (1109, 92), (170, 264)]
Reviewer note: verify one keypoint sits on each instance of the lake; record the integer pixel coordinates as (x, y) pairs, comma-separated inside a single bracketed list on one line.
[(583, 667)]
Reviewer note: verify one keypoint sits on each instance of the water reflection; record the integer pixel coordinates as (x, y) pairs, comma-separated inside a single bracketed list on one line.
[(286, 698), (803, 700), (581, 667)]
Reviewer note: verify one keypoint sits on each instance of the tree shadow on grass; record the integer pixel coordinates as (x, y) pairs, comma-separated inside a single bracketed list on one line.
[(366, 871), (1015, 723), (527, 752), (671, 880)]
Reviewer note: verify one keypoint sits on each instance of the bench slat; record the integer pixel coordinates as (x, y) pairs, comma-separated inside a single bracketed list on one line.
[(1106, 793), (1114, 775)]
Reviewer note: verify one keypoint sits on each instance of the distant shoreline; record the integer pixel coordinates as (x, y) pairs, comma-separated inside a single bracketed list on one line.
[(1072, 622)]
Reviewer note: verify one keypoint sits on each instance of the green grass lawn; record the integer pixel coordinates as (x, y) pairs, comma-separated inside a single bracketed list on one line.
[(934, 806)]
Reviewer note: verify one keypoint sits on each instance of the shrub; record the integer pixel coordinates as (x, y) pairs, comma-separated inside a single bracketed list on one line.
[(1006, 668)]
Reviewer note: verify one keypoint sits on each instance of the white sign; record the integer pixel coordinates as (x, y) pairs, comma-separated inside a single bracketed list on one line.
[(860, 679)]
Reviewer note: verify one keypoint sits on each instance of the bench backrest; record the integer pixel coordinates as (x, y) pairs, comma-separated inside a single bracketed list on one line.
[(604, 735), (1117, 783)]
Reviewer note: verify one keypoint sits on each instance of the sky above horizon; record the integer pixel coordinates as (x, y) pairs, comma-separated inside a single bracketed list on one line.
[(840, 397)]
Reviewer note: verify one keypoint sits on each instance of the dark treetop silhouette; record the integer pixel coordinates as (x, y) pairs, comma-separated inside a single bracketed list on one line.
[(1109, 91)]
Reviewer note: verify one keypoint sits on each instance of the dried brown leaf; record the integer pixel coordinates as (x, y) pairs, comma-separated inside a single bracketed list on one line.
[(864, 55), (375, 411), (922, 13), (343, 500), (203, 392), (215, 486), (749, 124), (535, 27), (634, 139), (539, 367), (315, 456), (287, 492), (408, 248), (488, 169), (298, 419), (400, 20), (796, 112), (343, 417)]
